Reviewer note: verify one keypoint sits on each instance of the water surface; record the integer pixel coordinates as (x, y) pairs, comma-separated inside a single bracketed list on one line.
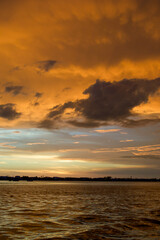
[(79, 210)]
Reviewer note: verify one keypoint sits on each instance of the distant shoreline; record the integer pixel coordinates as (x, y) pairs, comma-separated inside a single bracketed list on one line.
[(80, 179)]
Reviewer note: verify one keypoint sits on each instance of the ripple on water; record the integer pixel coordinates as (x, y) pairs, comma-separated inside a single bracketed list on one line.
[(117, 211)]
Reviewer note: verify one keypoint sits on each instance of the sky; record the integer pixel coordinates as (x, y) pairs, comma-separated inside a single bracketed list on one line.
[(80, 88)]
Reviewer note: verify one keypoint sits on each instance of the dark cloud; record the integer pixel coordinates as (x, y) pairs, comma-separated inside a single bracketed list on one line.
[(15, 90), (140, 122), (48, 124), (114, 101), (8, 111), (38, 94), (59, 109), (110, 101), (84, 124), (41, 65), (66, 89), (36, 104), (46, 65)]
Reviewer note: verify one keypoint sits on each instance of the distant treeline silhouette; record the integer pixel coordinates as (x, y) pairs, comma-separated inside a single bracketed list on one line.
[(102, 179)]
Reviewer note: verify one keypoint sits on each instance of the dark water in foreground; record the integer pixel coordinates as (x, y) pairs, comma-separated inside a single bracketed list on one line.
[(80, 210)]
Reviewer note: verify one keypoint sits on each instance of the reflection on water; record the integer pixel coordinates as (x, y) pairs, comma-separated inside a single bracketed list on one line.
[(80, 210)]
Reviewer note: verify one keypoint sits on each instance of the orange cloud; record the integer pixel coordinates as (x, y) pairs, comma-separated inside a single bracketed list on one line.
[(107, 130)]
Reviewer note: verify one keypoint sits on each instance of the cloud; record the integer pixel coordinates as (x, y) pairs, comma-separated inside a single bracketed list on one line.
[(137, 151), (108, 101), (114, 101), (134, 171), (66, 89), (15, 90), (84, 124), (145, 156), (107, 130), (36, 104), (46, 123), (7, 145), (36, 143), (59, 109), (80, 135), (8, 111), (140, 122), (38, 95), (46, 65), (128, 140)]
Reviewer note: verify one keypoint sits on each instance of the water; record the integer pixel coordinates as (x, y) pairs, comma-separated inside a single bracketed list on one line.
[(79, 210)]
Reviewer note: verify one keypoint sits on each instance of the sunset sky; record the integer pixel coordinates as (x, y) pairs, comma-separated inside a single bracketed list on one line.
[(80, 88)]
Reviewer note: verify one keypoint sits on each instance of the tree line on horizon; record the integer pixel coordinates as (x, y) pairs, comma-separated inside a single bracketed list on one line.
[(45, 178)]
